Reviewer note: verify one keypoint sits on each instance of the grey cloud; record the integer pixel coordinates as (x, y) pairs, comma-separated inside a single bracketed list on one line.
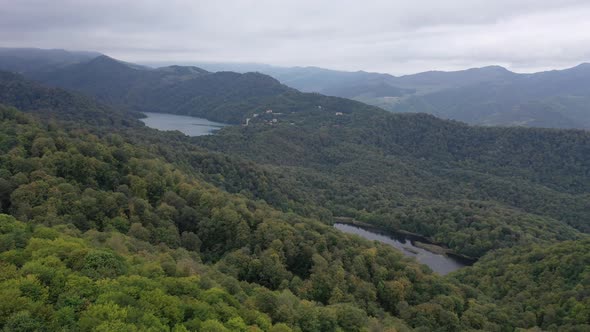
[(388, 36)]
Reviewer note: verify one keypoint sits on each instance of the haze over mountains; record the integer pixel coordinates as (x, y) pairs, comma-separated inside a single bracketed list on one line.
[(480, 96), (27, 60)]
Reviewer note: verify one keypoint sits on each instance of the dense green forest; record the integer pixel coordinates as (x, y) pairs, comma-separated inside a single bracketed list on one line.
[(52, 103), (473, 189), (547, 286), (470, 188), (112, 226), (124, 232), (68, 182)]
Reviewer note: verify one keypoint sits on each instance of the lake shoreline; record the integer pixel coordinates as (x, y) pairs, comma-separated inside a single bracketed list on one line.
[(188, 125), (418, 240)]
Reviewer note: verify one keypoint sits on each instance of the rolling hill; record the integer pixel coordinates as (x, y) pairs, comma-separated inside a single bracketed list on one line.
[(55, 103)]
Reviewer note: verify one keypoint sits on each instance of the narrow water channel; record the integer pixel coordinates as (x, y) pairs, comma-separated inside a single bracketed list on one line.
[(441, 264)]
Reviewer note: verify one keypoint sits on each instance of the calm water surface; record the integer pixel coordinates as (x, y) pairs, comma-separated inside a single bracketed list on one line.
[(442, 264), (188, 125)]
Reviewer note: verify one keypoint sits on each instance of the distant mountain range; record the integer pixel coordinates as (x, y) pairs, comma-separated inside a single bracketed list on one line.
[(490, 96), (227, 97), (487, 96)]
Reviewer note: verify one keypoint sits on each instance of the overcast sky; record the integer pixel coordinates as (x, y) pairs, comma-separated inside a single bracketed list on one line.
[(390, 36)]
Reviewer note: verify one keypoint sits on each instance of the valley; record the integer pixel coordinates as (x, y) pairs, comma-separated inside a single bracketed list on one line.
[(135, 198), (438, 262)]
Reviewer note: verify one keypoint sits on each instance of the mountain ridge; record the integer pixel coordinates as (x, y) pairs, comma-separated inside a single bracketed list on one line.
[(222, 96), (490, 95), (420, 93)]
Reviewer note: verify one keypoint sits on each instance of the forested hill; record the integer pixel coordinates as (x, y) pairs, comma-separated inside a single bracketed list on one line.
[(408, 171), (223, 96), (412, 172), (474, 189), (542, 279), (54, 103), (112, 237)]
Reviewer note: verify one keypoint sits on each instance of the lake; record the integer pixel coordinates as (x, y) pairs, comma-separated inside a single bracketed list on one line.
[(188, 125), (441, 264)]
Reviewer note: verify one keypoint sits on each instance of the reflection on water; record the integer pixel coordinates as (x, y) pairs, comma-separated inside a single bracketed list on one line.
[(442, 264), (188, 125)]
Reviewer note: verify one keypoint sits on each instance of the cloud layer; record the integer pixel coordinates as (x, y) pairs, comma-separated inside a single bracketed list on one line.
[(386, 36)]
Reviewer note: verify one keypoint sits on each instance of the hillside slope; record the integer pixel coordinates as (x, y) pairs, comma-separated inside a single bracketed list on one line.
[(134, 241), (53, 103), (555, 99), (410, 172), (223, 96), (463, 186), (546, 286)]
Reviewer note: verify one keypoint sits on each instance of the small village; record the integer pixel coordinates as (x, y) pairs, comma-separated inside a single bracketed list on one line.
[(269, 117)]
